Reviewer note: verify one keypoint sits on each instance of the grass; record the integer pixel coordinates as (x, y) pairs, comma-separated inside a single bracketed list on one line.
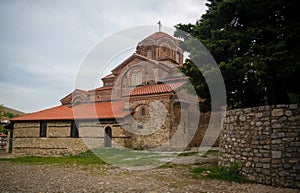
[(188, 154), (209, 152), (118, 157), (86, 158), (127, 157), (215, 172)]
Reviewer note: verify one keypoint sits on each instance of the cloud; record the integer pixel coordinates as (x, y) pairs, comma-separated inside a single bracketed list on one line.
[(43, 43)]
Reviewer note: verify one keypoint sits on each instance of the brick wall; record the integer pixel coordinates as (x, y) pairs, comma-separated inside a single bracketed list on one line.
[(265, 142)]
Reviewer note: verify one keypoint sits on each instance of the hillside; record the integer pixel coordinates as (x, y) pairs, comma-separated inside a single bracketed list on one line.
[(13, 111)]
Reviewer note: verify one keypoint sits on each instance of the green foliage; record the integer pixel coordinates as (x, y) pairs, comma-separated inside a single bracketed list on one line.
[(1, 128), (215, 172), (169, 165), (294, 98), (210, 152), (9, 115), (6, 114), (183, 154), (255, 44)]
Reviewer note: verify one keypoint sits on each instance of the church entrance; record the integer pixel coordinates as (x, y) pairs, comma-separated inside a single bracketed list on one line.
[(107, 137)]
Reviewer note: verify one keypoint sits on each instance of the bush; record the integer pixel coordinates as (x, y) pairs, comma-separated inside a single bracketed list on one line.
[(215, 172)]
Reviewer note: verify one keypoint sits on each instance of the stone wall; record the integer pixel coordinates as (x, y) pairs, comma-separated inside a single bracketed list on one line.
[(265, 142), (149, 131), (27, 140)]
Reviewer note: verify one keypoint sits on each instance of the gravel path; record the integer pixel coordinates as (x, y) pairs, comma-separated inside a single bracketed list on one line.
[(66, 178)]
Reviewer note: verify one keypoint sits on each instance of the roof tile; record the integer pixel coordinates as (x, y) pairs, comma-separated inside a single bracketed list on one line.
[(155, 89), (100, 110)]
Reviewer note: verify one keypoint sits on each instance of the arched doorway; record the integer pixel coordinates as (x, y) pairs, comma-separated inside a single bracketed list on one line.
[(107, 137)]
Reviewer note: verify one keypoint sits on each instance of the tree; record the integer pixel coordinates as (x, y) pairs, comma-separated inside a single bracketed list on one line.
[(255, 44)]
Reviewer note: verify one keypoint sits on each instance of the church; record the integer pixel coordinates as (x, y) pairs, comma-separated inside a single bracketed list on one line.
[(143, 104)]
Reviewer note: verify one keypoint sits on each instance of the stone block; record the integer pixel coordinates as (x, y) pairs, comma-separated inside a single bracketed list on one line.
[(288, 113), (264, 160), (26, 132), (283, 173), (292, 160), (293, 106), (276, 161), (258, 115), (242, 118), (91, 131), (277, 112), (276, 125), (63, 132), (276, 154)]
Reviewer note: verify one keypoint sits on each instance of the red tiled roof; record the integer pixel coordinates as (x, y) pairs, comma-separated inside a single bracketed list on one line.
[(100, 110), (108, 76), (155, 89), (101, 88), (158, 35)]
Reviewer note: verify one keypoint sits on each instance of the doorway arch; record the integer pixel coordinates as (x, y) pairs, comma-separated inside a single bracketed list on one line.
[(107, 137)]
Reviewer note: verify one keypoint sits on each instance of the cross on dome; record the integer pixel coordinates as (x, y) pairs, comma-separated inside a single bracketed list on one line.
[(159, 25)]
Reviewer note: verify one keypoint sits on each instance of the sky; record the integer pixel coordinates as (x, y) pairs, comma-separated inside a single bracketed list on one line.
[(43, 44)]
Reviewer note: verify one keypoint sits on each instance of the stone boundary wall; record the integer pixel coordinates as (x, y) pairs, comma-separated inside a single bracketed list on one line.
[(265, 142)]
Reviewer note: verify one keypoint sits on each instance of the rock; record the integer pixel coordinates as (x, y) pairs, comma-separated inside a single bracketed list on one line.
[(277, 112), (276, 154)]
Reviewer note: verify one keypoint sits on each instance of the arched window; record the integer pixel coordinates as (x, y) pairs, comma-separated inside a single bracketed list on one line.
[(149, 54), (143, 111), (139, 78), (136, 78), (133, 79)]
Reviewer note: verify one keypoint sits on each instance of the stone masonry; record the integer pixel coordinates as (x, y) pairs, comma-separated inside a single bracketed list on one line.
[(265, 142)]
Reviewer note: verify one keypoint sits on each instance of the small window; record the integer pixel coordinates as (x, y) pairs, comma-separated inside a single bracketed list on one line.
[(143, 111), (43, 129), (149, 54), (74, 129), (139, 78), (136, 78), (133, 79)]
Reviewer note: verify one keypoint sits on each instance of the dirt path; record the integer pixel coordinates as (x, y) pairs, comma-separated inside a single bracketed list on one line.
[(58, 178)]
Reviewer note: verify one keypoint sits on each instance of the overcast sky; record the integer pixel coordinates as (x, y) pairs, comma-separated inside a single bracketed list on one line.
[(44, 42)]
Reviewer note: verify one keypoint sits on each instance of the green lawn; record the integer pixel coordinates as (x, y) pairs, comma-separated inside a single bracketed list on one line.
[(86, 158), (118, 157), (111, 156), (209, 152), (127, 157)]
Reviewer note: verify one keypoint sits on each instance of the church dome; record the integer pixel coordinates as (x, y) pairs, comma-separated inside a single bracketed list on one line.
[(159, 38), (161, 46)]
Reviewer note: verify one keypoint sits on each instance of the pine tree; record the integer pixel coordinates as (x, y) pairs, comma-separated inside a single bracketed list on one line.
[(255, 44)]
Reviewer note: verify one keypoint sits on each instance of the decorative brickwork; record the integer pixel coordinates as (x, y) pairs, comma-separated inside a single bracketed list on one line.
[(265, 142)]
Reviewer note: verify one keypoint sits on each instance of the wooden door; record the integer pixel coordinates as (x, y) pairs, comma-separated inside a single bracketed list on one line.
[(108, 135)]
